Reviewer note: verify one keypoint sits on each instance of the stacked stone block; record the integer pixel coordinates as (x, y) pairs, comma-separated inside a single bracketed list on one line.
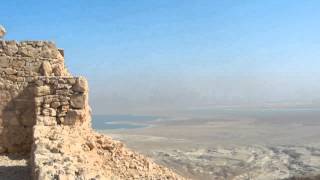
[(21, 63), (61, 101)]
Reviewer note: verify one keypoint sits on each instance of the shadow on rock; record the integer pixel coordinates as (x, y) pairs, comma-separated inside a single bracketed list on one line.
[(14, 173)]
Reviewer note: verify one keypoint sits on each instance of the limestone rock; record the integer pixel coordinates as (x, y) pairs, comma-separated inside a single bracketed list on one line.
[(42, 90), (55, 104), (10, 71), (4, 61), (27, 51), (46, 68), (92, 156), (78, 101), (72, 117), (11, 48), (47, 120), (58, 71), (81, 85)]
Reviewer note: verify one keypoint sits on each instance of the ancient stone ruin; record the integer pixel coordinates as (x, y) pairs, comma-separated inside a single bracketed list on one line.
[(2, 32), (44, 111)]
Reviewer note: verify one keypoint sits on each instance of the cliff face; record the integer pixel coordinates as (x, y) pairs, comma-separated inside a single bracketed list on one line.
[(44, 111)]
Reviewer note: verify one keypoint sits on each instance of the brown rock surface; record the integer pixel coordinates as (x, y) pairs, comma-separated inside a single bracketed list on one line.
[(46, 68), (71, 153)]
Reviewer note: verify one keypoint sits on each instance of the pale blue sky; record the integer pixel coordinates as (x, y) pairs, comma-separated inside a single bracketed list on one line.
[(144, 55)]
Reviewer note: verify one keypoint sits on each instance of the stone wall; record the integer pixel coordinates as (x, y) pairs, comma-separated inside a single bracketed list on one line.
[(61, 105), (61, 101), (21, 63)]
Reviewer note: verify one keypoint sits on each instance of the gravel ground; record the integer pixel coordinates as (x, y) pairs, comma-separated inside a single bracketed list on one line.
[(14, 167)]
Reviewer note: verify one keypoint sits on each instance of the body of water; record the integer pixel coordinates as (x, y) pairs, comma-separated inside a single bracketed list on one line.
[(103, 122)]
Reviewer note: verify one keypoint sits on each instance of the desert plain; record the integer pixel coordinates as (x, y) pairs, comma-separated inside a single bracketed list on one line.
[(260, 144)]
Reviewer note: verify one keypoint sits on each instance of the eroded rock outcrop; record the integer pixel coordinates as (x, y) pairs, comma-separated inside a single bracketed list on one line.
[(44, 111)]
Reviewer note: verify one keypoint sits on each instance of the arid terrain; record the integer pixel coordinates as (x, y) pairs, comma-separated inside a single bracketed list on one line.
[(263, 144)]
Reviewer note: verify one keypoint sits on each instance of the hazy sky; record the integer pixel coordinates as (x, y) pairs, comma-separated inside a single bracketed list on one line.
[(144, 55)]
